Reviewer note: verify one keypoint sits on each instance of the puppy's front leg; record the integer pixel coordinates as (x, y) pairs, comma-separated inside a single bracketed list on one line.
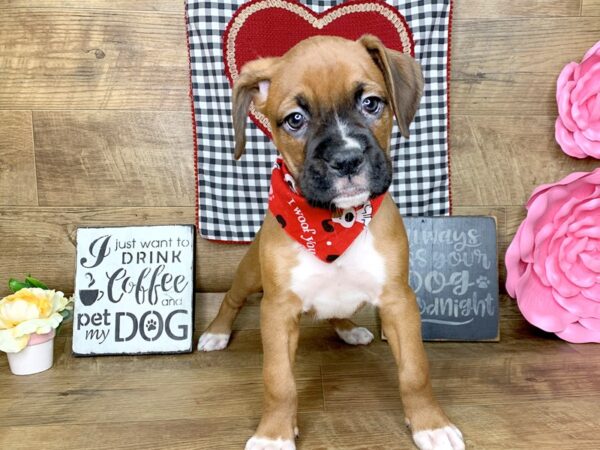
[(247, 281), (402, 325), (279, 318)]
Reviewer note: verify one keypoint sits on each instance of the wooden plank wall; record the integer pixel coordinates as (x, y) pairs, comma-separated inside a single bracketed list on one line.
[(95, 124)]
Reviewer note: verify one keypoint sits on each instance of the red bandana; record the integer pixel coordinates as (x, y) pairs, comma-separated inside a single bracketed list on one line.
[(323, 233)]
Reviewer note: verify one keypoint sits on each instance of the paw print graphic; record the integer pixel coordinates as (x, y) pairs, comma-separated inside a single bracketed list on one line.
[(482, 282), (151, 325)]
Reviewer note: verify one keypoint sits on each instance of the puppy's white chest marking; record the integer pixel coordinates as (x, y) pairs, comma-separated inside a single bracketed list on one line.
[(338, 289)]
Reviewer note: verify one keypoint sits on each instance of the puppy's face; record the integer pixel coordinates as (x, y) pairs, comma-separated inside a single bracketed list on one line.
[(330, 103)]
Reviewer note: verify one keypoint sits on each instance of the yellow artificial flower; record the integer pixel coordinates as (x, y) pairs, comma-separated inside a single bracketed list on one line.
[(28, 311)]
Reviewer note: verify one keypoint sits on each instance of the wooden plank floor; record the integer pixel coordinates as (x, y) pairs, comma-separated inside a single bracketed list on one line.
[(95, 129), (528, 391)]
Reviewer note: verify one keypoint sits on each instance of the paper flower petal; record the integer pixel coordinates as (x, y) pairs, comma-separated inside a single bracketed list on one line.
[(577, 128), (538, 305), (578, 334), (553, 262)]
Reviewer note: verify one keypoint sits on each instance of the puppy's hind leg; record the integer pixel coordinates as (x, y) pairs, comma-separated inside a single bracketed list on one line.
[(351, 333), (247, 281)]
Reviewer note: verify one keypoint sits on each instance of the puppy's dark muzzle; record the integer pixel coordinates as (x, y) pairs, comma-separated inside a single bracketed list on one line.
[(343, 161), (347, 162)]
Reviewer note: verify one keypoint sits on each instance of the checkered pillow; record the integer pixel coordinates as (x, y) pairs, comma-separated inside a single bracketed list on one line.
[(232, 195)]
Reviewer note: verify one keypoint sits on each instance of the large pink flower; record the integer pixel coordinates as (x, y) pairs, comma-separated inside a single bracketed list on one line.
[(553, 262), (578, 97)]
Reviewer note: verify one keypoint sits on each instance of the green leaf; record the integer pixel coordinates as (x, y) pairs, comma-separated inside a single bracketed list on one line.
[(66, 314), (34, 282), (16, 285)]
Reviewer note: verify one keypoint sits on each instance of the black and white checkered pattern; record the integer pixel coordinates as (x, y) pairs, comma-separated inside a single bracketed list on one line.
[(232, 195)]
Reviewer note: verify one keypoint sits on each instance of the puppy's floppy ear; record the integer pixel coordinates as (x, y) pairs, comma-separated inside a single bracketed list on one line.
[(252, 85), (403, 79)]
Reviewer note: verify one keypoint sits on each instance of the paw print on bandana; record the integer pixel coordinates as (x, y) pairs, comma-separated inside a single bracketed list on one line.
[(482, 282), (151, 325), (326, 224), (281, 220)]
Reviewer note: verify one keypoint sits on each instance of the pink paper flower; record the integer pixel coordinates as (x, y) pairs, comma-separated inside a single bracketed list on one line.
[(578, 96), (553, 262)]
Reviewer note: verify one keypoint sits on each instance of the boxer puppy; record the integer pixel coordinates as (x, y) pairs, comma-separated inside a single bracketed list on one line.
[(330, 103)]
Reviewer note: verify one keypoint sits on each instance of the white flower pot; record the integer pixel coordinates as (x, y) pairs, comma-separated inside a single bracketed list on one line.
[(36, 357)]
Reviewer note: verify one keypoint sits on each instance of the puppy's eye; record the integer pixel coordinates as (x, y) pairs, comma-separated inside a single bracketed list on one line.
[(371, 105), (295, 121)]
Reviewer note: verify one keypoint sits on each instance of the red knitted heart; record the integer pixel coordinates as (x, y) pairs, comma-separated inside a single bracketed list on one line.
[(262, 28)]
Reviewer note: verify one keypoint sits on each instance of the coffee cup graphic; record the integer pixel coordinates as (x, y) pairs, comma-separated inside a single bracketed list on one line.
[(90, 296)]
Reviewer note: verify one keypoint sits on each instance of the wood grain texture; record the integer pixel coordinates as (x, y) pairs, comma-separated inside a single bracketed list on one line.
[(88, 59), (190, 396), (590, 8), (41, 241), (510, 66), (530, 390), (109, 158), (499, 214), (499, 160), (478, 9), (514, 217), (18, 184), (521, 46), (117, 5), (535, 380), (348, 430), (53, 231)]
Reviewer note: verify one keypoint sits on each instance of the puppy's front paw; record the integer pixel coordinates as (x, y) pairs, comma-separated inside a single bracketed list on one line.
[(261, 443), (355, 336), (209, 342), (446, 438)]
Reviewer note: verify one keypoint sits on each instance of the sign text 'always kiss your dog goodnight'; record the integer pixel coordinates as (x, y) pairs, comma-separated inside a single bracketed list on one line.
[(454, 274)]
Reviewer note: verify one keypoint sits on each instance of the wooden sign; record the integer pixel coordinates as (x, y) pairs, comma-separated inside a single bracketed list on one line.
[(134, 290), (454, 273)]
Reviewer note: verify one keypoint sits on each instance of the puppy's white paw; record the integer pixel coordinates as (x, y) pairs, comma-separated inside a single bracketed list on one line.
[(209, 342), (355, 336), (259, 443), (447, 438)]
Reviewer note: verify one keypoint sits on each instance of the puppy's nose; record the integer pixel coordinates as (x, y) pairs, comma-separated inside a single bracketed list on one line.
[(347, 162)]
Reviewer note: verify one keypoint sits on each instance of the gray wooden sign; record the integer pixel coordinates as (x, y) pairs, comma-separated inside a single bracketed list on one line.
[(134, 290), (454, 273)]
